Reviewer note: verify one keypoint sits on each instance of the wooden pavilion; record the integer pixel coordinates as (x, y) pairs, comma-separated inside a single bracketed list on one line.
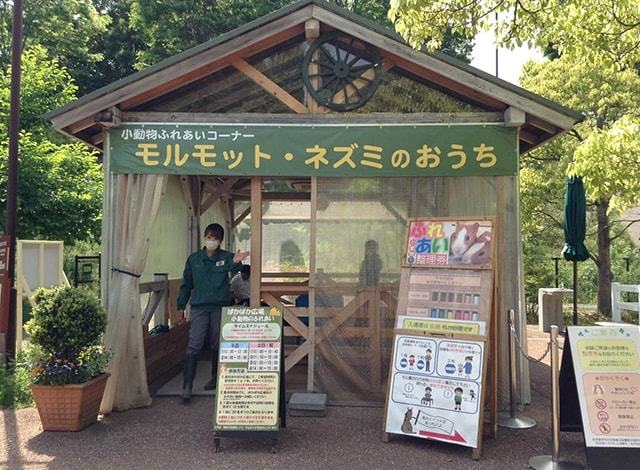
[(308, 71)]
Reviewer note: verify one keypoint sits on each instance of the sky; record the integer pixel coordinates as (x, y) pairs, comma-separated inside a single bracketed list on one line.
[(509, 62)]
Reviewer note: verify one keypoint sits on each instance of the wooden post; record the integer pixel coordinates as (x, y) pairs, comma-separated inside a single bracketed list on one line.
[(256, 240), (160, 315), (312, 32), (107, 224), (312, 284)]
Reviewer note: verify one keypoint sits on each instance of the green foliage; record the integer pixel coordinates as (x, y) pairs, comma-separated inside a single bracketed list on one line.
[(65, 330), (14, 382), (453, 44), (172, 26), (119, 46), (45, 86), (65, 180), (602, 149), (68, 29), (583, 29), (54, 177), (609, 162), (66, 321)]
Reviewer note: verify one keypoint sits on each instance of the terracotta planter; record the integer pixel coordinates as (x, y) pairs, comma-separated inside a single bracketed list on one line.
[(69, 407)]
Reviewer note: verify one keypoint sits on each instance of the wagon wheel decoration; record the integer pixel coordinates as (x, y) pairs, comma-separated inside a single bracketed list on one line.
[(341, 72)]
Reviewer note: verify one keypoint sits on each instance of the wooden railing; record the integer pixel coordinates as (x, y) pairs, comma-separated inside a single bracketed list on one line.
[(163, 352), (161, 305), (363, 304)]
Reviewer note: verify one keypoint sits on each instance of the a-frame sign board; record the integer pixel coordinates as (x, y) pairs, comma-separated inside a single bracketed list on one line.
[(444, 335), (250, 396)]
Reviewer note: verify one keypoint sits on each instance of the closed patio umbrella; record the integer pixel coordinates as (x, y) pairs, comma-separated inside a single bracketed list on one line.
[(575, 214)]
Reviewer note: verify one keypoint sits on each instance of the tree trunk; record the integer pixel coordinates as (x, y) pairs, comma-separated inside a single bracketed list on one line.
[(604, 256)]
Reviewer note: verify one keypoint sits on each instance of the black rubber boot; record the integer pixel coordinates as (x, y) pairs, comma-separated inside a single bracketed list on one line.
[(211, 384), (190, 364)]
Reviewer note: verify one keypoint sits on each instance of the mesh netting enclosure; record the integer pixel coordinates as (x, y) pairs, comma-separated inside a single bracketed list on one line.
[(361, 226)]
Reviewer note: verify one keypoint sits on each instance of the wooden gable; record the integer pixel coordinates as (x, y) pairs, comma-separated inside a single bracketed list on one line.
[(258, 69)]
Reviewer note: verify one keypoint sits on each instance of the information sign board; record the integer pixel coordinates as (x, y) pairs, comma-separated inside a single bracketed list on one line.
[(606, 362), (248, 392), (436, 388)]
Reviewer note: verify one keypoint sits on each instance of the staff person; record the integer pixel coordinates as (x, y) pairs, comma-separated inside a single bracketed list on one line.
[(205, 285)]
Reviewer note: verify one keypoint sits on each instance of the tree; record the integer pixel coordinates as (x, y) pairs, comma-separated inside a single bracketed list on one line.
[(45, 86), (603, 149), (591, 29), (452, 44), (66, 28), (60, 185), (119, 46), (172, 26)]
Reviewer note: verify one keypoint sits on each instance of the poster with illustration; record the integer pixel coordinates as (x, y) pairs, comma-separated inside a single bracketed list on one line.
[(443, 402), (447, 243), (606, 362)]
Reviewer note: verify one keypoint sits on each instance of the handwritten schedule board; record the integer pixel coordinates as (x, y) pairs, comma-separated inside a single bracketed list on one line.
[(606, 362), (248, 393), (436, 389), (449, 243)]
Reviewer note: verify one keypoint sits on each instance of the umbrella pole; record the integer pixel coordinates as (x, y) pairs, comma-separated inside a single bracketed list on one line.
[(575, 292)]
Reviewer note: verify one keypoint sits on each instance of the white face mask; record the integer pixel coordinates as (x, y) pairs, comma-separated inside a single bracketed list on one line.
[(211, 244)]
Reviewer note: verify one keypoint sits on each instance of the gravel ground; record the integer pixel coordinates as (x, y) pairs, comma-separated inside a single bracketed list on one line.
[(170, 435)]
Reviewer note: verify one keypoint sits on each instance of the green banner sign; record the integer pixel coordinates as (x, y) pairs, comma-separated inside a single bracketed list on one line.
[(336, 150), (248, 391)]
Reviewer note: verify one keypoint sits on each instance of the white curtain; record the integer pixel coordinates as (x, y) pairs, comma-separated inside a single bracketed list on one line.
[(136, 199)]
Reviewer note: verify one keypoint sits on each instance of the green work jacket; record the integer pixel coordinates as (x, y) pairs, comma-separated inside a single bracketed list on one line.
[(206, 279)]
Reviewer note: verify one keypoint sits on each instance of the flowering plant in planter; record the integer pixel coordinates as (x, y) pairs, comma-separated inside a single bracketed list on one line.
[(67, 373), (55, 370), (67, 326)]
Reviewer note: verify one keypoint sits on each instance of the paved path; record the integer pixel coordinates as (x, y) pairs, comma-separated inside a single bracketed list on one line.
[(172, 436)]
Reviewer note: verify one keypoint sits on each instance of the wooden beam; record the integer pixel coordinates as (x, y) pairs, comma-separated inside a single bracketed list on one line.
[(241, 217), (311, 29), (256, 240), (233, 93), (296, 356), (219, 191), (514, 117), (164, 80), (111, 117), (97, 139), (543, 125), (271, 87), (528, 137), (290, 318), (277, 196), (185, 186), (82, 124), (334, 118)]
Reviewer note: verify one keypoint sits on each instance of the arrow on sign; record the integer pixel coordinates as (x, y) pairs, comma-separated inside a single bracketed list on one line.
[(447, 437)]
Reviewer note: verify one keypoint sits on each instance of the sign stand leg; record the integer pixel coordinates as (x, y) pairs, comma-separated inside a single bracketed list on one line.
[(552, 462)]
